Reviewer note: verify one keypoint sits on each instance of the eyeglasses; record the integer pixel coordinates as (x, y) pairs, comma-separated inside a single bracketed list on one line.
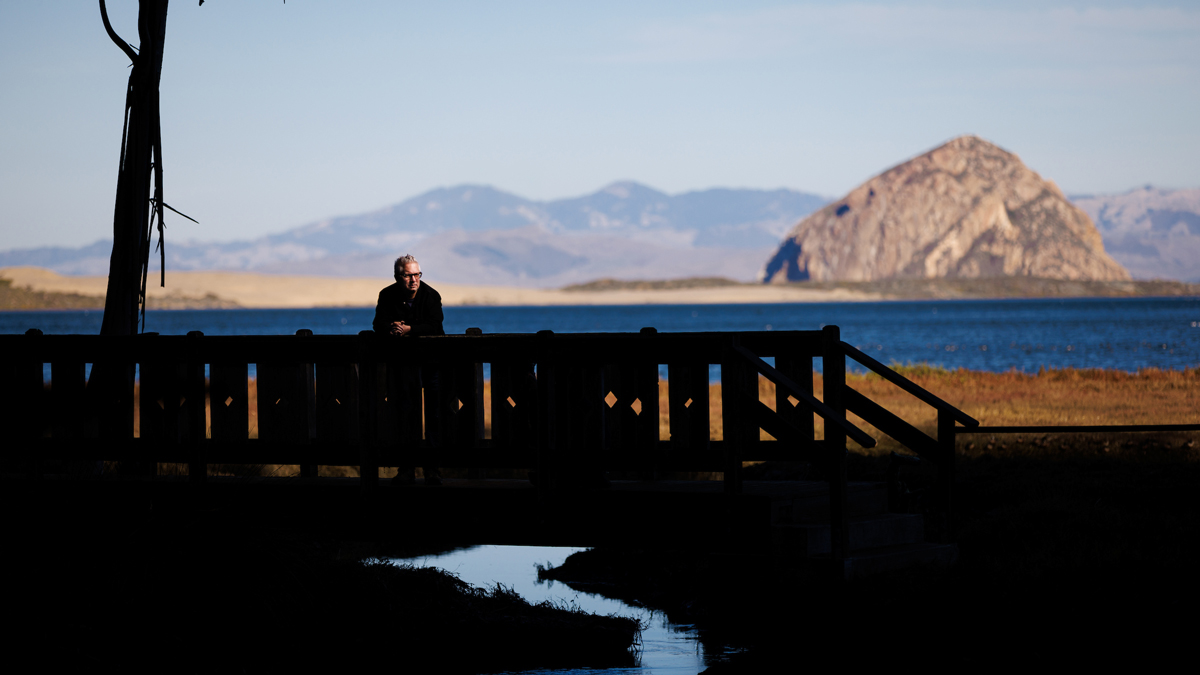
[(412, 276)]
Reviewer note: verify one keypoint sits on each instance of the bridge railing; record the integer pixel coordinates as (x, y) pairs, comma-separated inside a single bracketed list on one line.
[(322, 399), (781, 423), (838, 398), (565, 405), (939, 450)]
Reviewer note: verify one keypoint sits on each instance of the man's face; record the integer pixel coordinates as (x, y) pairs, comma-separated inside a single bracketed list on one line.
[(411, 277)]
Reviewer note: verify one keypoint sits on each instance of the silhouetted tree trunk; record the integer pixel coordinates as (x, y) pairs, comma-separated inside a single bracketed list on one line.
[(141, 160), (134, 216)]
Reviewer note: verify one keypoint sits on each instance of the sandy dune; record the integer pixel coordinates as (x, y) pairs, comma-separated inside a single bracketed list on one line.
[(268, 290)]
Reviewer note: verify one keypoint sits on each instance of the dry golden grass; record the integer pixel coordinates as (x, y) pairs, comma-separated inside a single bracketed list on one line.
[(1057, 397), (1051, 397)]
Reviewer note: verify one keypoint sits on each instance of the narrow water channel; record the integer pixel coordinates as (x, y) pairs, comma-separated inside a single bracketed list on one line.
[(666, 648)]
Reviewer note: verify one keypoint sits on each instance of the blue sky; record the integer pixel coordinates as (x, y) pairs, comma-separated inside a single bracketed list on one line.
[(275, 115)]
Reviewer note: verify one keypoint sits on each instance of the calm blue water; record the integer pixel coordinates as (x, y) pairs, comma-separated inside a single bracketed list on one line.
[(991, 335), (666, 647)]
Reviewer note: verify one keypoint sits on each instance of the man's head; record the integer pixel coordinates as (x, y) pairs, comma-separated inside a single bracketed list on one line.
[(408, 272)]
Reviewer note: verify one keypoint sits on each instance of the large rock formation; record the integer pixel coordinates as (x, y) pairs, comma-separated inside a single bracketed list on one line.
[(965, 209)]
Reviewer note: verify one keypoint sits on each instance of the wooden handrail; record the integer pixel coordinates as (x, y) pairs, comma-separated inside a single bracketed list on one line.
[(781, 429), (352, 429), (891, 424), (861, 437), (909, 386)]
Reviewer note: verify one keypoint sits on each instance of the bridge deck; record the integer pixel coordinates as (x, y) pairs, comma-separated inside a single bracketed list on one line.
[(688, 514)]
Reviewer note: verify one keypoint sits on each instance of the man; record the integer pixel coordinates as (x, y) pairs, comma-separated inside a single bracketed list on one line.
[(406, 309)]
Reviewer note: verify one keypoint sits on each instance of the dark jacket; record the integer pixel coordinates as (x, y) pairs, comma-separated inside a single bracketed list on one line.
[(425, 315)]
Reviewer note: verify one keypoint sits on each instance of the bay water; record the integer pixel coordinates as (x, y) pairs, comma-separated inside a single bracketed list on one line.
[(987, 335)]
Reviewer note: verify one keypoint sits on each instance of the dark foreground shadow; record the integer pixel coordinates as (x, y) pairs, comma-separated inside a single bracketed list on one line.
[(1066, 561), (120, 587)]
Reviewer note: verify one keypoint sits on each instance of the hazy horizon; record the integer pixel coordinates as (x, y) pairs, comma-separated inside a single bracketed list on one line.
[(107, 236)]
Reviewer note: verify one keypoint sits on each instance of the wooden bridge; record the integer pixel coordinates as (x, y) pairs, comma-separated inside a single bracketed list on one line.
[(569, 408)]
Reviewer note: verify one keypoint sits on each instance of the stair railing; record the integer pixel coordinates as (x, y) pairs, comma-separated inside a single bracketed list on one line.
[(840, 398), (939, 450), (837, 428)]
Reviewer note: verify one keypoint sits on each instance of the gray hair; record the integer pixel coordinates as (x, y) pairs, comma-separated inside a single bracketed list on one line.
[(401, 262)]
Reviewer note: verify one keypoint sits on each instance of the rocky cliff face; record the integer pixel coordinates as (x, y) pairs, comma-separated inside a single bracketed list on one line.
[(965, 209)]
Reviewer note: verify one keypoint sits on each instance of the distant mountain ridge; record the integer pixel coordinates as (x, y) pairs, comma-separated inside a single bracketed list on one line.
[(478, 234), (1154, 233)]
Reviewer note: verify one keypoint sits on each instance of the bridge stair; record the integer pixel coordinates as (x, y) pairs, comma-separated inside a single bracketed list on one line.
[(879, 541)]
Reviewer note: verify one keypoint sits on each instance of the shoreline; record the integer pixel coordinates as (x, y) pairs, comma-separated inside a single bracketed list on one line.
[(267, 291), (207, 290)]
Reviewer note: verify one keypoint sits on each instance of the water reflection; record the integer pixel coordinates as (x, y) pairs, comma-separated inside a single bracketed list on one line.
[(666, 648)]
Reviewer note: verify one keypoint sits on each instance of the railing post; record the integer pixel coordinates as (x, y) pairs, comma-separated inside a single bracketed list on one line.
[(798, 367), (194, 386), (67, 403), (469, 380), (152, 419), (368, 413), (229, 397), (545, 424), (946, 456), (646, 441), (476, 392), (834, 379), (110, 392), (29, 405), (737, 381), (309, 469)]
